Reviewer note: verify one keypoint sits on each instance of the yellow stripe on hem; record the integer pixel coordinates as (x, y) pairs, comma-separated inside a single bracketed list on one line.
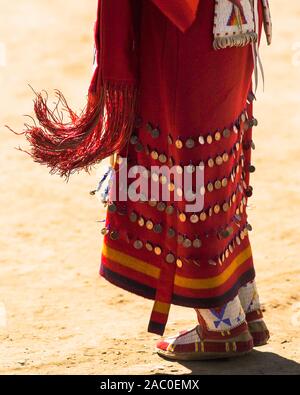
[(161, 307), (183, 282), (216, 281), (130, 262)]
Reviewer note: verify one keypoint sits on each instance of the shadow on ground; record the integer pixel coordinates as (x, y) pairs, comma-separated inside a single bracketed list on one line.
[(260, 363)]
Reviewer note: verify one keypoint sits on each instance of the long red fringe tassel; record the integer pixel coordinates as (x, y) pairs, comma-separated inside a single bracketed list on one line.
[(102, 129)]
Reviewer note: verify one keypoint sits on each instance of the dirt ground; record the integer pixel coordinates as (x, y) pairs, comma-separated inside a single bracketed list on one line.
[(56, 315)]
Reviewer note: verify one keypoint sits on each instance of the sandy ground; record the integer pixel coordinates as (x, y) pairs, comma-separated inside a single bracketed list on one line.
[(56, 315)]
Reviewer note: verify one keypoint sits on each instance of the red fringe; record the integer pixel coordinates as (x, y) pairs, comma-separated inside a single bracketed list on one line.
[(102, 129)]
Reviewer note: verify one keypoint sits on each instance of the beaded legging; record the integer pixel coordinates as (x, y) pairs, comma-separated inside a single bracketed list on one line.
[(233, 313)]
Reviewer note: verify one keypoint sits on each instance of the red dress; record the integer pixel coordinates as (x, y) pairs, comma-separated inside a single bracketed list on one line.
[(195, 107)]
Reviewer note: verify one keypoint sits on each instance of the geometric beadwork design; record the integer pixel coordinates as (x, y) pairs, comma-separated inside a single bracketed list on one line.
[(249, 297), (237, 17), (224, 318)]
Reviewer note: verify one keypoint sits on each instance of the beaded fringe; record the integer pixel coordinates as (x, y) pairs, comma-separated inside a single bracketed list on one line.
[(238, 40)]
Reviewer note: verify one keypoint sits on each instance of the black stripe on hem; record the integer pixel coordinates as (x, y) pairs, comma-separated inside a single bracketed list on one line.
[(127, 284), (156, 327), (149, 293), (219, 301)]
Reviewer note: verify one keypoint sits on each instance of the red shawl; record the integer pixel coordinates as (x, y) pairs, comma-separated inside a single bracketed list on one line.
[(104, 126)]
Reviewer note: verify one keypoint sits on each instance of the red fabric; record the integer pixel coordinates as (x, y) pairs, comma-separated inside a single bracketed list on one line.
[(181, 12), (187, 89), (115, 35)]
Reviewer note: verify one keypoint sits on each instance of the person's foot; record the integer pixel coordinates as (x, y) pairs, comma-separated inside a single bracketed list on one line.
[(257, 328), (195, 344), (259, 333)]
